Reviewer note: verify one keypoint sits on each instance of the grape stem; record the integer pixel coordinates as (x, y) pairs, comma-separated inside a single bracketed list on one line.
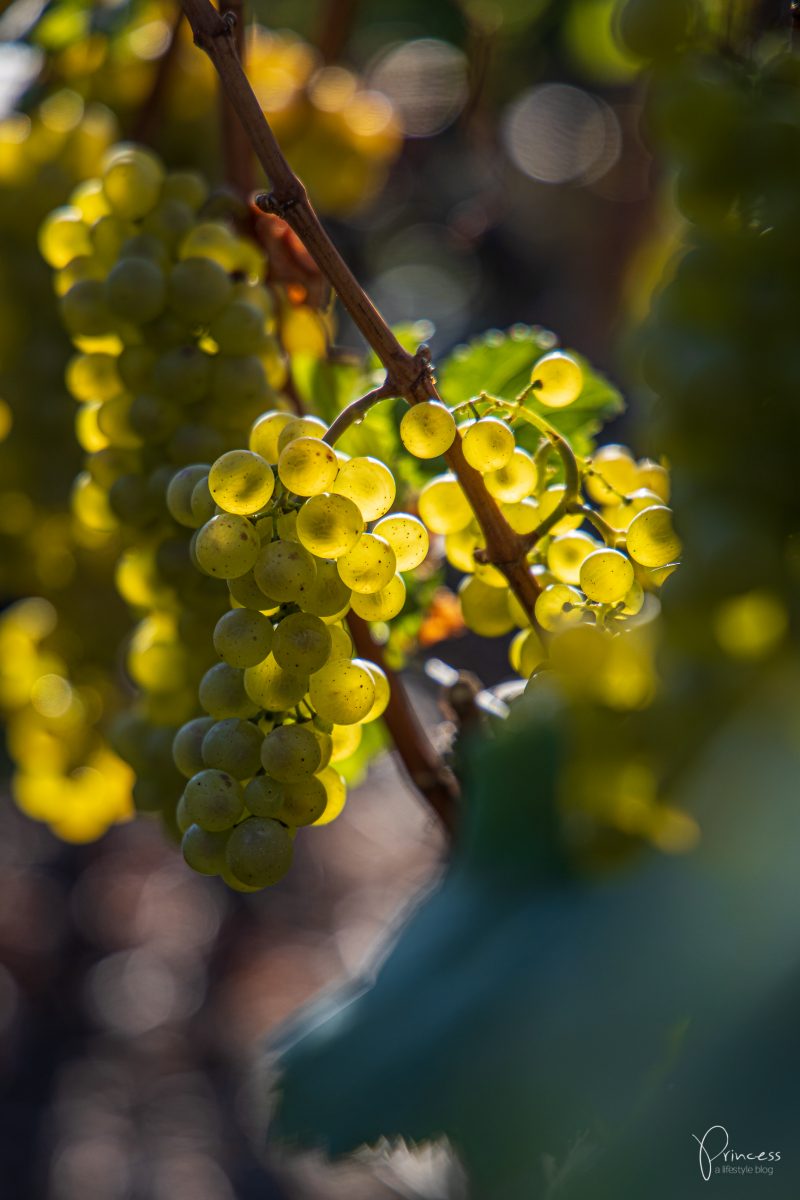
[(289, 200), (236, 150), (355, 412)]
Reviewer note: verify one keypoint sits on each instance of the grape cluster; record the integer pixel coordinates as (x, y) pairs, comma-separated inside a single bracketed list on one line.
[(284, 523), (719, 348), (176, 347), (600, 528)]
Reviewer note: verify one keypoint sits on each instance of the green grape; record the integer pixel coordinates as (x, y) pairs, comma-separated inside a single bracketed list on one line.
[(246, 592), (522, 516), (214, 800), (606, 576), (284, 571), (90, 504), (328, 596), (488, 444), (182, 373), (130, 501), (513, 482), (549, 501), (88, 198), (651, 539), (655, 28), (109, 234), (559, 606), (227, 546), (179, 494), (335, 791), (92, 377), (652, 477), (382, 689), (238, 328), (271, 687), (369, 566), (298, 427), (203, 850), (428, 430), (198, 288), (341, 642), (187, 743), (113, 420), (64, 236), (342, 692), (443, 506), (329, 525), (325, 749), (307, 466), (233, 746), (346, 740), (557, 380), (259, 852), (187, 186), (407, 536), (290, 753), (369, 484), (302, 643), (484, 608), (169, 222), (304, 801), (620, 515), (132, 182), (613, 474), (222, 693), (243, 637), (135, 367), (84, 310), (526, 652), (241, 482), (210, 240), (633, 600), (144, 246), (380, 606), (566, 553), (182, 819), (153, 418), (201, 502), (263, 797), (460, 547), (265, 432)]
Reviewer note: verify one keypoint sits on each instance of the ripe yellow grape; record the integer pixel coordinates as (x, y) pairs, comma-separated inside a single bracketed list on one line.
[(342, 692), (272, 688), (241, 482), (460, 547), (557, 379), (654, 477), (369, 566), (222, 693), (549, 502), (299, 427), (132, 182), (526, 652), (443, 506), (523, 516), (651, 539), (63, 237), (329, 525), (335, 789), (303, 801), (328, 596), (265, 432), (341, 642), (308, 466), (382, 689), (566, 553), (369, 484), (226, 546), (514, 481), (346, 740), (488, 444), (559, 606), (407, 536), (617, 475), (485, 609), (383, 605), (620, 515), (606, 576), (428, 429)]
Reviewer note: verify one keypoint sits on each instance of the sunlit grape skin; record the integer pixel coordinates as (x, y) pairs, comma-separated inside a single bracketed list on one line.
[(606, 576), (557, 380), (241, 482), (428, 429)]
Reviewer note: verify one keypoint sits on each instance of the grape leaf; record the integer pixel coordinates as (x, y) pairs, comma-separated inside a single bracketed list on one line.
[(500, 363)]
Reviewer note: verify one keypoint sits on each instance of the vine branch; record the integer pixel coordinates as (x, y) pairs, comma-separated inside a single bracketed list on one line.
[(289, 200)]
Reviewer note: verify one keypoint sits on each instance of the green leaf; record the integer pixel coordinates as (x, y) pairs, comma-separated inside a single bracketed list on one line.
[(500, 363), (326, 387)]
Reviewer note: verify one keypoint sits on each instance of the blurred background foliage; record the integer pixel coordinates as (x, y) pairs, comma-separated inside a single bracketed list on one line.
[(483, 164)]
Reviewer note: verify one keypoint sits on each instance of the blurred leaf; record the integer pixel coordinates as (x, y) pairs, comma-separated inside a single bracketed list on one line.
[(326, 387)]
